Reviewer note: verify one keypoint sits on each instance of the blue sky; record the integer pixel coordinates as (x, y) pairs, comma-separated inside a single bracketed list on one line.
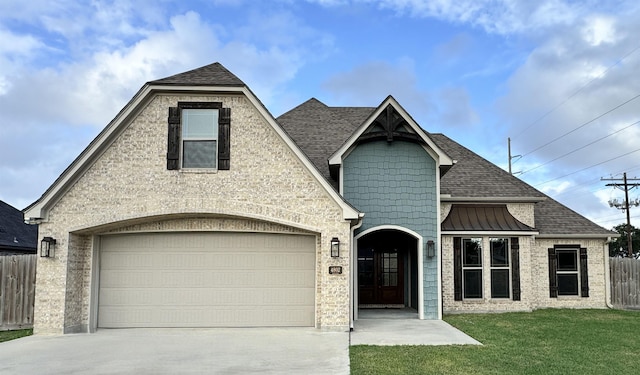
[(559, 77)]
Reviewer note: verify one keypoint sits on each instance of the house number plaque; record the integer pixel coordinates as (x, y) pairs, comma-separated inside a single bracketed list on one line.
[(335, 270)]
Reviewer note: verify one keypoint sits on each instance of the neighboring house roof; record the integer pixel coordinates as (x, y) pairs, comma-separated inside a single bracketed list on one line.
[(14, 233), (212, 78), (320, 130)]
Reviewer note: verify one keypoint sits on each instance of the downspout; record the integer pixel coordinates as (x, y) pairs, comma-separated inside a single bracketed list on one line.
[(607, 274), (352, 269)]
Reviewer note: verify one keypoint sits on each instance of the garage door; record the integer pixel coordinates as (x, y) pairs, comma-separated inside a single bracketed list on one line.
[(206, 279)]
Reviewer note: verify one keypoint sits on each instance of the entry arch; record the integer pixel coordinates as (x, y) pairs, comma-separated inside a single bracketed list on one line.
[(420, 263)]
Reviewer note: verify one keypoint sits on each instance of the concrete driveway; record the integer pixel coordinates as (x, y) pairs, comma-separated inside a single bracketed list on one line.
[(180, 351)]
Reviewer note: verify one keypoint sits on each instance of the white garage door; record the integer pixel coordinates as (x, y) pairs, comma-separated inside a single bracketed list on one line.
[(206, 279)]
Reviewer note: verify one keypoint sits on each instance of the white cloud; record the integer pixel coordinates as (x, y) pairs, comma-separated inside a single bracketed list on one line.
[(66, 102), (370, 83), (556, 188), (599, 29), (495, 16)]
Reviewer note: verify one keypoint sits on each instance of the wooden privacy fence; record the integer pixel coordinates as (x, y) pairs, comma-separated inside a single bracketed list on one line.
[(625, 282), (17, 291)]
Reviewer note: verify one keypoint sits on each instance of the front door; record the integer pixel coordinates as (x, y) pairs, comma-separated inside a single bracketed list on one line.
[(380, 275)]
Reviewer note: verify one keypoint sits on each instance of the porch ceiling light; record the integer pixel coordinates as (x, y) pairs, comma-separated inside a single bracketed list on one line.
[(47, 247), (335, 247), (431, 249)]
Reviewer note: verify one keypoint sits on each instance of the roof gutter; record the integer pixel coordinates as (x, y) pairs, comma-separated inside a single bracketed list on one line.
[(607, 236), (482, 200)]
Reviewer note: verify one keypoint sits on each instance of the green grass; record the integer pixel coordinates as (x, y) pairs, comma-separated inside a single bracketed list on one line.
[(553, 341), (12, 335)]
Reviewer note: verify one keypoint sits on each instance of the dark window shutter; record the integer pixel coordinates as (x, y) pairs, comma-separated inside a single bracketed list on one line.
[(584, 275), (553, 267), (515, 269), (224, 142), (457, 268), (173, 139)]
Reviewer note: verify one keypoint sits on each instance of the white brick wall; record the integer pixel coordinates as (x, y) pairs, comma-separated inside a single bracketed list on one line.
[(534, 278), (128, 188)]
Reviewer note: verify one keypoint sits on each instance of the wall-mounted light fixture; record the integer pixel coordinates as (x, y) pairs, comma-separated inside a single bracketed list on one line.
[(431, 249), (47, 247), (335, 247)]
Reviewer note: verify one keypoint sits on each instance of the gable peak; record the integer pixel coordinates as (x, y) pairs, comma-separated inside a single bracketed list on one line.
[(209, 75)]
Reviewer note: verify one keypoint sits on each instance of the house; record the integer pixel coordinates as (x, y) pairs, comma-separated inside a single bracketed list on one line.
[(16, 237), (195, 207)]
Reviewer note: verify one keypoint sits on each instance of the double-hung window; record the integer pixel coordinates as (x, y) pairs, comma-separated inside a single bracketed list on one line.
[(472, 267), (199, 138), (567, 272), (500, 286)]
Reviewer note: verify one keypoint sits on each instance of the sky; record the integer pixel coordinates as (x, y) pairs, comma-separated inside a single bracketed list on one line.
[(558, 77)]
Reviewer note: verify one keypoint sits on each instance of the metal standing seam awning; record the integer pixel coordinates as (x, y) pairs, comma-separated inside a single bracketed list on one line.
[(484, 217)]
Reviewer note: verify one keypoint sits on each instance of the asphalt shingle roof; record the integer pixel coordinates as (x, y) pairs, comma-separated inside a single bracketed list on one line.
[(14, 233), (213, 74), (319, 130)]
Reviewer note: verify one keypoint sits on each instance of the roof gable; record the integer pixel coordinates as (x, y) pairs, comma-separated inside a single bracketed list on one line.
[(389, 115), (213, 78)]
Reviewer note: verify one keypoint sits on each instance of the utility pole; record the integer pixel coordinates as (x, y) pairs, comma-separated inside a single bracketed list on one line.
[(624, 206), (510, 156)]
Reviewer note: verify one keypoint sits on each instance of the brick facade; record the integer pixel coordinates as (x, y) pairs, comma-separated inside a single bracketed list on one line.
[(129, 189), (534, 277)]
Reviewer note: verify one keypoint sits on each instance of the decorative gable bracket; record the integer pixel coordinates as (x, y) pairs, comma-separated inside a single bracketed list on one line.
[(391, 122)]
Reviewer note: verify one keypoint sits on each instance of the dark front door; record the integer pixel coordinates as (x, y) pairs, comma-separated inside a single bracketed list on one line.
[(380, 275)]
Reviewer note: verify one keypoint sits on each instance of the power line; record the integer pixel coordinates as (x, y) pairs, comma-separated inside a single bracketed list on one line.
[(579, 127), (584, 169), (576, 92), (580, 148), (610, 220)]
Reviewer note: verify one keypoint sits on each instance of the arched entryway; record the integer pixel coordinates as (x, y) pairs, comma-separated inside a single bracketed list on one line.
[(387, 272)]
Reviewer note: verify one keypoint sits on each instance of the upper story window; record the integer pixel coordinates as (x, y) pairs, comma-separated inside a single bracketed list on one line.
[(199, 136)]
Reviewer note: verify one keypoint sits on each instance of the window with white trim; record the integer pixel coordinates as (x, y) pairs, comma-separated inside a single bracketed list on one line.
[(198, 136), (567, 273), (472, 267), (500, 270), (199, 148)]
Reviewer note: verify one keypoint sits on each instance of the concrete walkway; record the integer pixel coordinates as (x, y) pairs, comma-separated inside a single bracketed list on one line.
[(408, 332), (402, 327)]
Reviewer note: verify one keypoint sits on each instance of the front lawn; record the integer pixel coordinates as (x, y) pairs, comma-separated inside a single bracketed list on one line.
[(11, 335), (542, 342)]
